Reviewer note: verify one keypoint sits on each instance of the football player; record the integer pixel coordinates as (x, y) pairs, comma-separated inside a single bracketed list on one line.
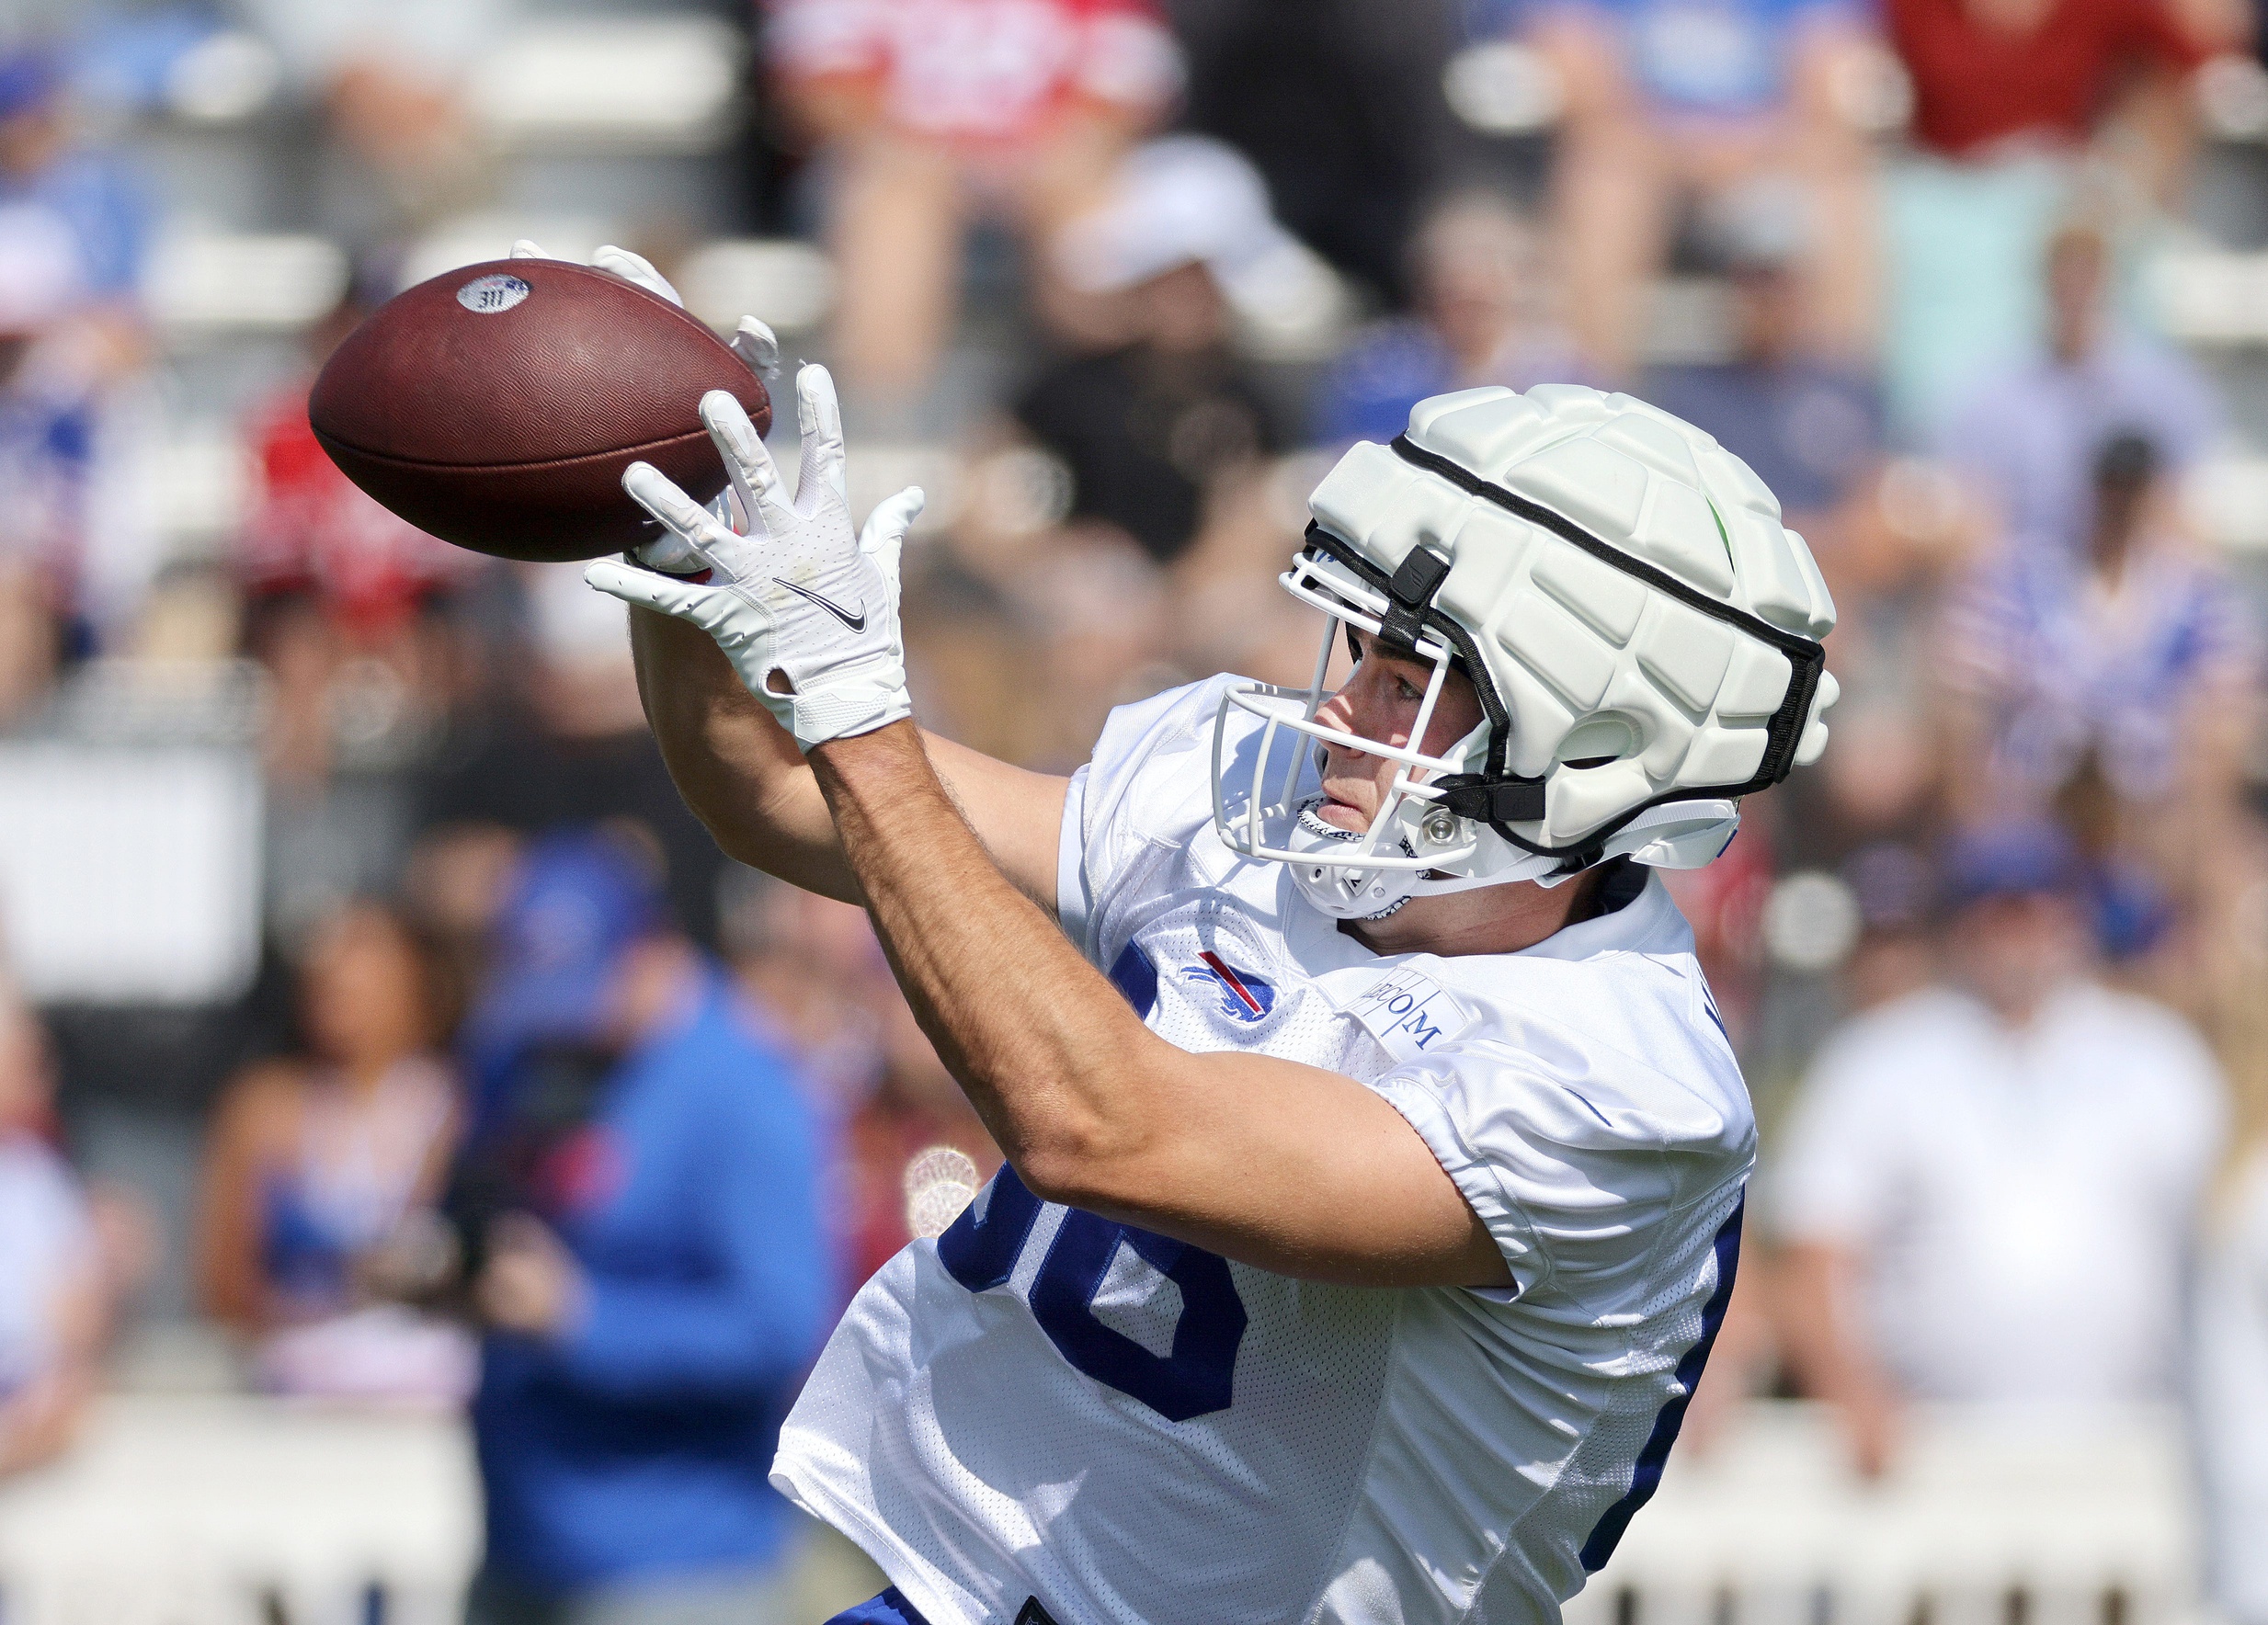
[(1375, 1152)]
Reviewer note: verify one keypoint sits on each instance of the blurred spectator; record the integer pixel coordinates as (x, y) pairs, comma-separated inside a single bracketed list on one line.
[(1998, 75), (1896, 953), (357, 618), (1808, 423), (71, 243), (812, 966), (936, 110), (543, 728), (312, 531), (1483, 316), (1350, 183), (1103, 621), (68, 212), (1991, 75), (814, 969), (917, 1109), (53, 1298), (1152, 430), (344, 720), (317, 1160), (2013, 100), (1987, 1187), (638, 1215), (1665, 98), (45, 442), (2029, 433), (389, 77), (2120, 684)]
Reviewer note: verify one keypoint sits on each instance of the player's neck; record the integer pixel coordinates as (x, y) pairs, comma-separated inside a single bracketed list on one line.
[(1493, 919)]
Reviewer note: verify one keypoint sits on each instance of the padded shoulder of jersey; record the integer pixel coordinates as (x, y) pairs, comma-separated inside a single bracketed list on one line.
[(1574, 1153), (1590, 1078)]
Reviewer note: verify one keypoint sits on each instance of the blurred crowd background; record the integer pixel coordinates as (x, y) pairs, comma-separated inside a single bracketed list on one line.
[(378, 1027)]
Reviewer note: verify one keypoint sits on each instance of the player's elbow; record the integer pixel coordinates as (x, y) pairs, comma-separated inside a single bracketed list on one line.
[(1095, 1163), (1062, 1167), (1107, 1139)]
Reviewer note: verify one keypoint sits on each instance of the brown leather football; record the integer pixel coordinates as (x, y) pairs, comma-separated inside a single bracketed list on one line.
[(497, 406)]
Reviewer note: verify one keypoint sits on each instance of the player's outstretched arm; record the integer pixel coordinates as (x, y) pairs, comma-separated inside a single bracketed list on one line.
[(1267, 1161), (754, 643)]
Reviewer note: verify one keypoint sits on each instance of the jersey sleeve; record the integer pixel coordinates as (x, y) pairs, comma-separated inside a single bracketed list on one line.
[(1572, 1183), (1149, 782)]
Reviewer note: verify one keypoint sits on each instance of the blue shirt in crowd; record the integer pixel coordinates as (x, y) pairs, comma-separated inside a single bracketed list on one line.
[(1808, 429), (1713, 58), (638, 1444), (1393, 365), (2031, 432), (106, 213)]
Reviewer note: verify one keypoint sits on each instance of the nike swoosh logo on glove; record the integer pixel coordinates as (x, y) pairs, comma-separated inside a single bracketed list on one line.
[(857, 624)]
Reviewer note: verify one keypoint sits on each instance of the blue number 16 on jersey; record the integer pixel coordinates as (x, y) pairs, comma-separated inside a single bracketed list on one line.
[(1197, 1379)]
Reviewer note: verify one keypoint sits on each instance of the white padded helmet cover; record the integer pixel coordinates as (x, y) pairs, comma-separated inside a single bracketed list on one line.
[(1606, 654)]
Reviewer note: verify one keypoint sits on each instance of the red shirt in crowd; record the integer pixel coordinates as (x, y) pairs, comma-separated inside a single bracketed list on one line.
[(1975, 84), (312, 529), (981, 71)]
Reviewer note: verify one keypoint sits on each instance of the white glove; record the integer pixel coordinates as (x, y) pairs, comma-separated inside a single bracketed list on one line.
[(805, 609)]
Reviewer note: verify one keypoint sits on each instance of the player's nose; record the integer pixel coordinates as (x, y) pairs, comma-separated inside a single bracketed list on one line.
[(1337, 712)]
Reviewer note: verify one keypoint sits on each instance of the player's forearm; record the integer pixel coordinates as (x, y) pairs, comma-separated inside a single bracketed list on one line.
[(1225, 1151), (737, 768), (1044, 1048)]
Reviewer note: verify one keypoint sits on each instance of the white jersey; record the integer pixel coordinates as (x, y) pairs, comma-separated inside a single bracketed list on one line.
[(1045, 1405)]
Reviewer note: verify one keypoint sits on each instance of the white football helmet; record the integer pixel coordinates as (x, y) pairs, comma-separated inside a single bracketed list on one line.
[(1643, 633)]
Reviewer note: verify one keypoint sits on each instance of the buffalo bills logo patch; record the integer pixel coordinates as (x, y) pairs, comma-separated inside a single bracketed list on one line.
[(1243, 997)]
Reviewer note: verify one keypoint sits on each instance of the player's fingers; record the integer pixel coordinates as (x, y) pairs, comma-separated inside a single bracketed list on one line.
[(757, 345), (883, 539), (637, 269), (820, 417), (528, 248), (647, 589), (714, 610), (728, 512), (747, 463), (885, 535), (678, 514)]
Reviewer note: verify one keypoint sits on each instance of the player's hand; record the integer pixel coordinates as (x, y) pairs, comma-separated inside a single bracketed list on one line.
[(754, 343), (804, 607)]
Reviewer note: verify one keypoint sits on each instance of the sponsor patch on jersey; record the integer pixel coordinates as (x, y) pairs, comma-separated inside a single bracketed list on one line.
[(1244, 996), (1409, 1015)]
